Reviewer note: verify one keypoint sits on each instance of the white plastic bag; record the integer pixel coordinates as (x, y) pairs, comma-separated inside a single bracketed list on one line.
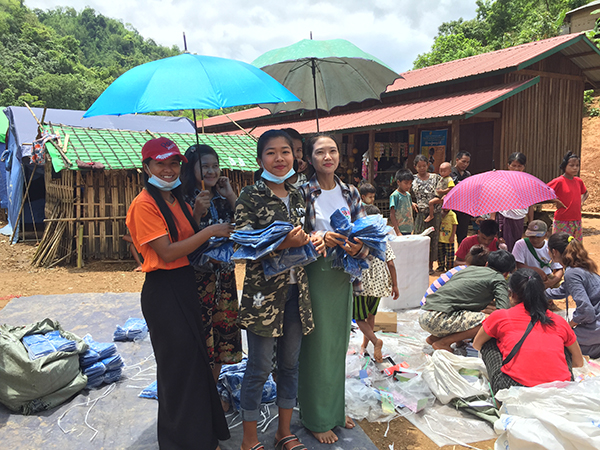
[(558, 415), (442, 375)]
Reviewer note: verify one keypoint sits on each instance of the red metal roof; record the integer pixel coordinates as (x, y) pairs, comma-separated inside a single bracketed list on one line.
[(515, 58), (459, 105), (251, 113)]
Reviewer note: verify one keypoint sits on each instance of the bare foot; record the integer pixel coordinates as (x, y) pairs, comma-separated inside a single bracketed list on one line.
[(138, 269), (377, 355), (349, 423), (428, 218), (363, 350), (328, 437), (437, 346), (431, 339), (365, 343)]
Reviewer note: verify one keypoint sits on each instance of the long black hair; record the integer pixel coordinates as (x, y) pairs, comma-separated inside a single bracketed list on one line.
[(194, 156), (164, 208), (528, 288)]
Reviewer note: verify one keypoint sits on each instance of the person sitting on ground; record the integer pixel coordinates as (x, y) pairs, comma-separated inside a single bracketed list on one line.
[(486, 236), (379, 280), (453, 312), (534, 336), (477, 256), (532, 252), (442, 188), (582, 282), (367, 194)]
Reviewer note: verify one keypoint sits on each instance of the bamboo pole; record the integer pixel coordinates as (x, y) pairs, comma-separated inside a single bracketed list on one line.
[(80, 247)]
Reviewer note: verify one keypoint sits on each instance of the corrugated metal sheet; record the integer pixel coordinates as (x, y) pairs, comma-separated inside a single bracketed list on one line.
[(251, 113), (461, 105), (514, 58), (121, 149)]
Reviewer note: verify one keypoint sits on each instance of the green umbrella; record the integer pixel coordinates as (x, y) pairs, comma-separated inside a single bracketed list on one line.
[(325, 74)]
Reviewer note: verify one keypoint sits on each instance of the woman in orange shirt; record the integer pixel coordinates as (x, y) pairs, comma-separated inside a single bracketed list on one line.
[(164, 232)]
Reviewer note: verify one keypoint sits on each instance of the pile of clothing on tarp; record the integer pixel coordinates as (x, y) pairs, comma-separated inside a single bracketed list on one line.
[(133, 330), (100, 363), (261, 244), (229, 385), (372, 231), (45, 379), (39, 345)]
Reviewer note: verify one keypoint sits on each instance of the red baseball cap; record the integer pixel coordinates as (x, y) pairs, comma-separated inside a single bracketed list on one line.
[(161, 149)]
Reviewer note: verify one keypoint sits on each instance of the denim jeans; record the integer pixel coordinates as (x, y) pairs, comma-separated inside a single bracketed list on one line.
[(260, 354)]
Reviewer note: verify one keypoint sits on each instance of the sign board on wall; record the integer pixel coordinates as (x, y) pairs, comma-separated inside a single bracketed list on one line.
[(433, 146)]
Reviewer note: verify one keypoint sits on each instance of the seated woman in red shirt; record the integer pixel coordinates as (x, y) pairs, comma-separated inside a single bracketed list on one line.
[(541, 357)]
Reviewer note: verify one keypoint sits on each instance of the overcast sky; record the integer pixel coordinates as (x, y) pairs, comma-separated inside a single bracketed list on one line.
[(395, 31)]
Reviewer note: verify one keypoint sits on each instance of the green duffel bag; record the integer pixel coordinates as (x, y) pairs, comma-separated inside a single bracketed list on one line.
[(28, 386)]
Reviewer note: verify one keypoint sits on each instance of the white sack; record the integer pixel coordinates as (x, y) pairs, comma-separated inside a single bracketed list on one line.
[(441, 374), (558, 415)]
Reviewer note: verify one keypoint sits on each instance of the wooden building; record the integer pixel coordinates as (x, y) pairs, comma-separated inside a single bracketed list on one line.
[(86, 208), (527, 98)]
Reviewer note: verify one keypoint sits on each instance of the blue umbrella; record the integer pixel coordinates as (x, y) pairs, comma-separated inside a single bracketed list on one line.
[(188, 81)]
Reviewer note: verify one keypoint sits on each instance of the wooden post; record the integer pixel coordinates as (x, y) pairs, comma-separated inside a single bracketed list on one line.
[(371, 151), (455, 140), (80, 247)]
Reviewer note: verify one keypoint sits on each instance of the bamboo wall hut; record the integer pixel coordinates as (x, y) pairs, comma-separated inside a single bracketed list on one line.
[(86, 207)]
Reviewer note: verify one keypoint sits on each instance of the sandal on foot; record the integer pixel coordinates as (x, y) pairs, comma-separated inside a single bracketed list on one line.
[(257, 446), (280, 445)]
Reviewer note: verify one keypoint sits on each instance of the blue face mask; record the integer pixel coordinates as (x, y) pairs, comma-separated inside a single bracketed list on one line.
[(162, 184), (274, 178)]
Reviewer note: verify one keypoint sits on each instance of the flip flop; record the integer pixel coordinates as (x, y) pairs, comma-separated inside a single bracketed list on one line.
[(257, 446), (280, 445)]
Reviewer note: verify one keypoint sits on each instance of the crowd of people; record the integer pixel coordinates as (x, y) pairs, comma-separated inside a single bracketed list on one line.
[(300, 320)]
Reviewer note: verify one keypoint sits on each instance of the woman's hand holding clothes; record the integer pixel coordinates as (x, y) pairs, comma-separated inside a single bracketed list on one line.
[(295, 238), (332, 239), (201, 205), (220, 229), (353, 248), (319, 244)]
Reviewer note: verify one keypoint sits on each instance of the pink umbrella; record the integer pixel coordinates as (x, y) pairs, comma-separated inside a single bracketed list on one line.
[(497, 190)]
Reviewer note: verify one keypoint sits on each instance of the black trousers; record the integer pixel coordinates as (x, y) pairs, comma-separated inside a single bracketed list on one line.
[(190, 415)]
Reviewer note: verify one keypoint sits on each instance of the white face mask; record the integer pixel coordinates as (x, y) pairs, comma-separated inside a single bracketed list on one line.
[(162, 184), (274, 178)]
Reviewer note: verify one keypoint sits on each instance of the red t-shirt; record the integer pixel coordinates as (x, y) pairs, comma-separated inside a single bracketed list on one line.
[(467, 243), (541, 358), (146, 223), (569, 192)]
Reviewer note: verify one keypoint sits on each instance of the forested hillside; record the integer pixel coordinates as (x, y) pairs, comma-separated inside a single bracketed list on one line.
[(498, 24), (63, 58)]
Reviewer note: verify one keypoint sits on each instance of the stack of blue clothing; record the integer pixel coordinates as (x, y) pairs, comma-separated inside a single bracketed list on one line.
[(217, 248), (151, 391), (372, 230), (257, 244), (229, 385), (133, 330), (39, 345), (100, 363)]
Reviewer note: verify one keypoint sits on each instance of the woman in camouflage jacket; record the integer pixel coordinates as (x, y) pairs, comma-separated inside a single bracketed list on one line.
[(278, 308)]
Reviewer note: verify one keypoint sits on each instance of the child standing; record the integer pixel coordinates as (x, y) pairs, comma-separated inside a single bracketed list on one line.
[(367, 193), (443, 187), (278, 308), (571, 193), (379, 280), (446, 240), (401, 205)]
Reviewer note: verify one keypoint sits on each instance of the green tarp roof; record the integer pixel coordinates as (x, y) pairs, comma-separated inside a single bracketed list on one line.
[(121, 149)]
